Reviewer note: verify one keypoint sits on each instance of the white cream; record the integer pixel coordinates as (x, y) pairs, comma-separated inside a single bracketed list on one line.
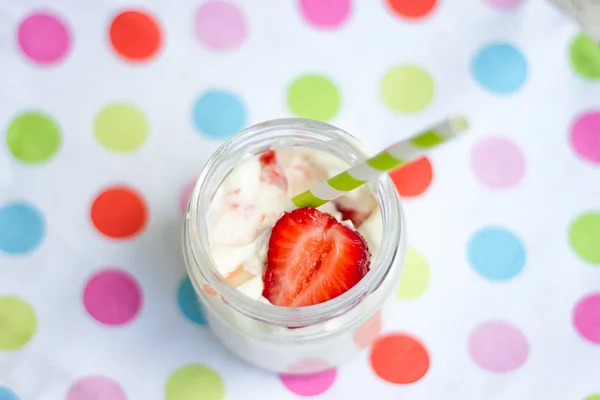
[(244, 210)]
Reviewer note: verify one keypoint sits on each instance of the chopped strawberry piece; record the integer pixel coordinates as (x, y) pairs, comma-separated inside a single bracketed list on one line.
[(236, 278), (271, 172), (357, 217), (209, 289), (312, 258)]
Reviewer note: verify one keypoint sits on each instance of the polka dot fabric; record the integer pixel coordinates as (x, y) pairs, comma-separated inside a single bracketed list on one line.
[(109, 112)]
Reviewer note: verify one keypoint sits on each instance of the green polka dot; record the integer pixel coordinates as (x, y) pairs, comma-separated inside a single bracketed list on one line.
[(193, 382), (593, 397), (18, 323), (415, 276), (314, 97), (407, 89), (584, 235), (585, 57), (121, 128), (33, 137)]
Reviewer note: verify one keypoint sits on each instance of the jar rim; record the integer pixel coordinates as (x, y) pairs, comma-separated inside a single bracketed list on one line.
[(199, 250)]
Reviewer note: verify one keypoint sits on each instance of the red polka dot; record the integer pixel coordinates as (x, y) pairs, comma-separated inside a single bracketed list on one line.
[(414, 178), (135, 35), (112, 297), (368, 331), (412, 8), (119, 212), (399, 358)]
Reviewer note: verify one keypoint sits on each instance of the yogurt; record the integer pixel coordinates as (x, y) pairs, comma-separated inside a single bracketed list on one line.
[(246, 206), (236, 219)]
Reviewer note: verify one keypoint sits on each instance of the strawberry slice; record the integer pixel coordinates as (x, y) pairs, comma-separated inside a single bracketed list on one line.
[(312, 258), (271, 172), (357, 217)]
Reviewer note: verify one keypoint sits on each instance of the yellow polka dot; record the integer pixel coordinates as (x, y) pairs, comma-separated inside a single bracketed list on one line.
[(415, 276), (18, 323), (193, 382)]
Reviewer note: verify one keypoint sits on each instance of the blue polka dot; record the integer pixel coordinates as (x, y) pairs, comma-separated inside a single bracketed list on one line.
[(7, 394), (496, 253), (188, 302), (219, 114), (500, 68), (21, 228)]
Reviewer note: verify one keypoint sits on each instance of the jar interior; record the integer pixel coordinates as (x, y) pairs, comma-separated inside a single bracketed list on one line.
[(278, 134)]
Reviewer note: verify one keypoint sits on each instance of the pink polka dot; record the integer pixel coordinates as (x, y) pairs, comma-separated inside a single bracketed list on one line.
[(498, 347), (585, 136), (586, 317), (497, 163), (44, 38), (184, 197), (94, 388), (309, 385), (308, 366), (220, 26), (503, 3), (112, 297), (325, 14)]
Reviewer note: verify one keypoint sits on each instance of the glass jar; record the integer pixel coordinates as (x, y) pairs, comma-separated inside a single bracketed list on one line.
[(282, 339)]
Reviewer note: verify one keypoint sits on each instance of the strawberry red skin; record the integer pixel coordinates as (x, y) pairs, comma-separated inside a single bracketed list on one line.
[(312, 258), (357, 217), (268, 157), (271, 172)]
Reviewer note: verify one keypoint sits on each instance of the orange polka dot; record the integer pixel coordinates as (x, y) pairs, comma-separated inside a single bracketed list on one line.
[(368, 331), (119, 212), (135, 35), (399, 358), (414, 178), (412, 8)]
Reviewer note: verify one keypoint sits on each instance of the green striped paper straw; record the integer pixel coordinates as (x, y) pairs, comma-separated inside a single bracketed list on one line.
[(393, 157)]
